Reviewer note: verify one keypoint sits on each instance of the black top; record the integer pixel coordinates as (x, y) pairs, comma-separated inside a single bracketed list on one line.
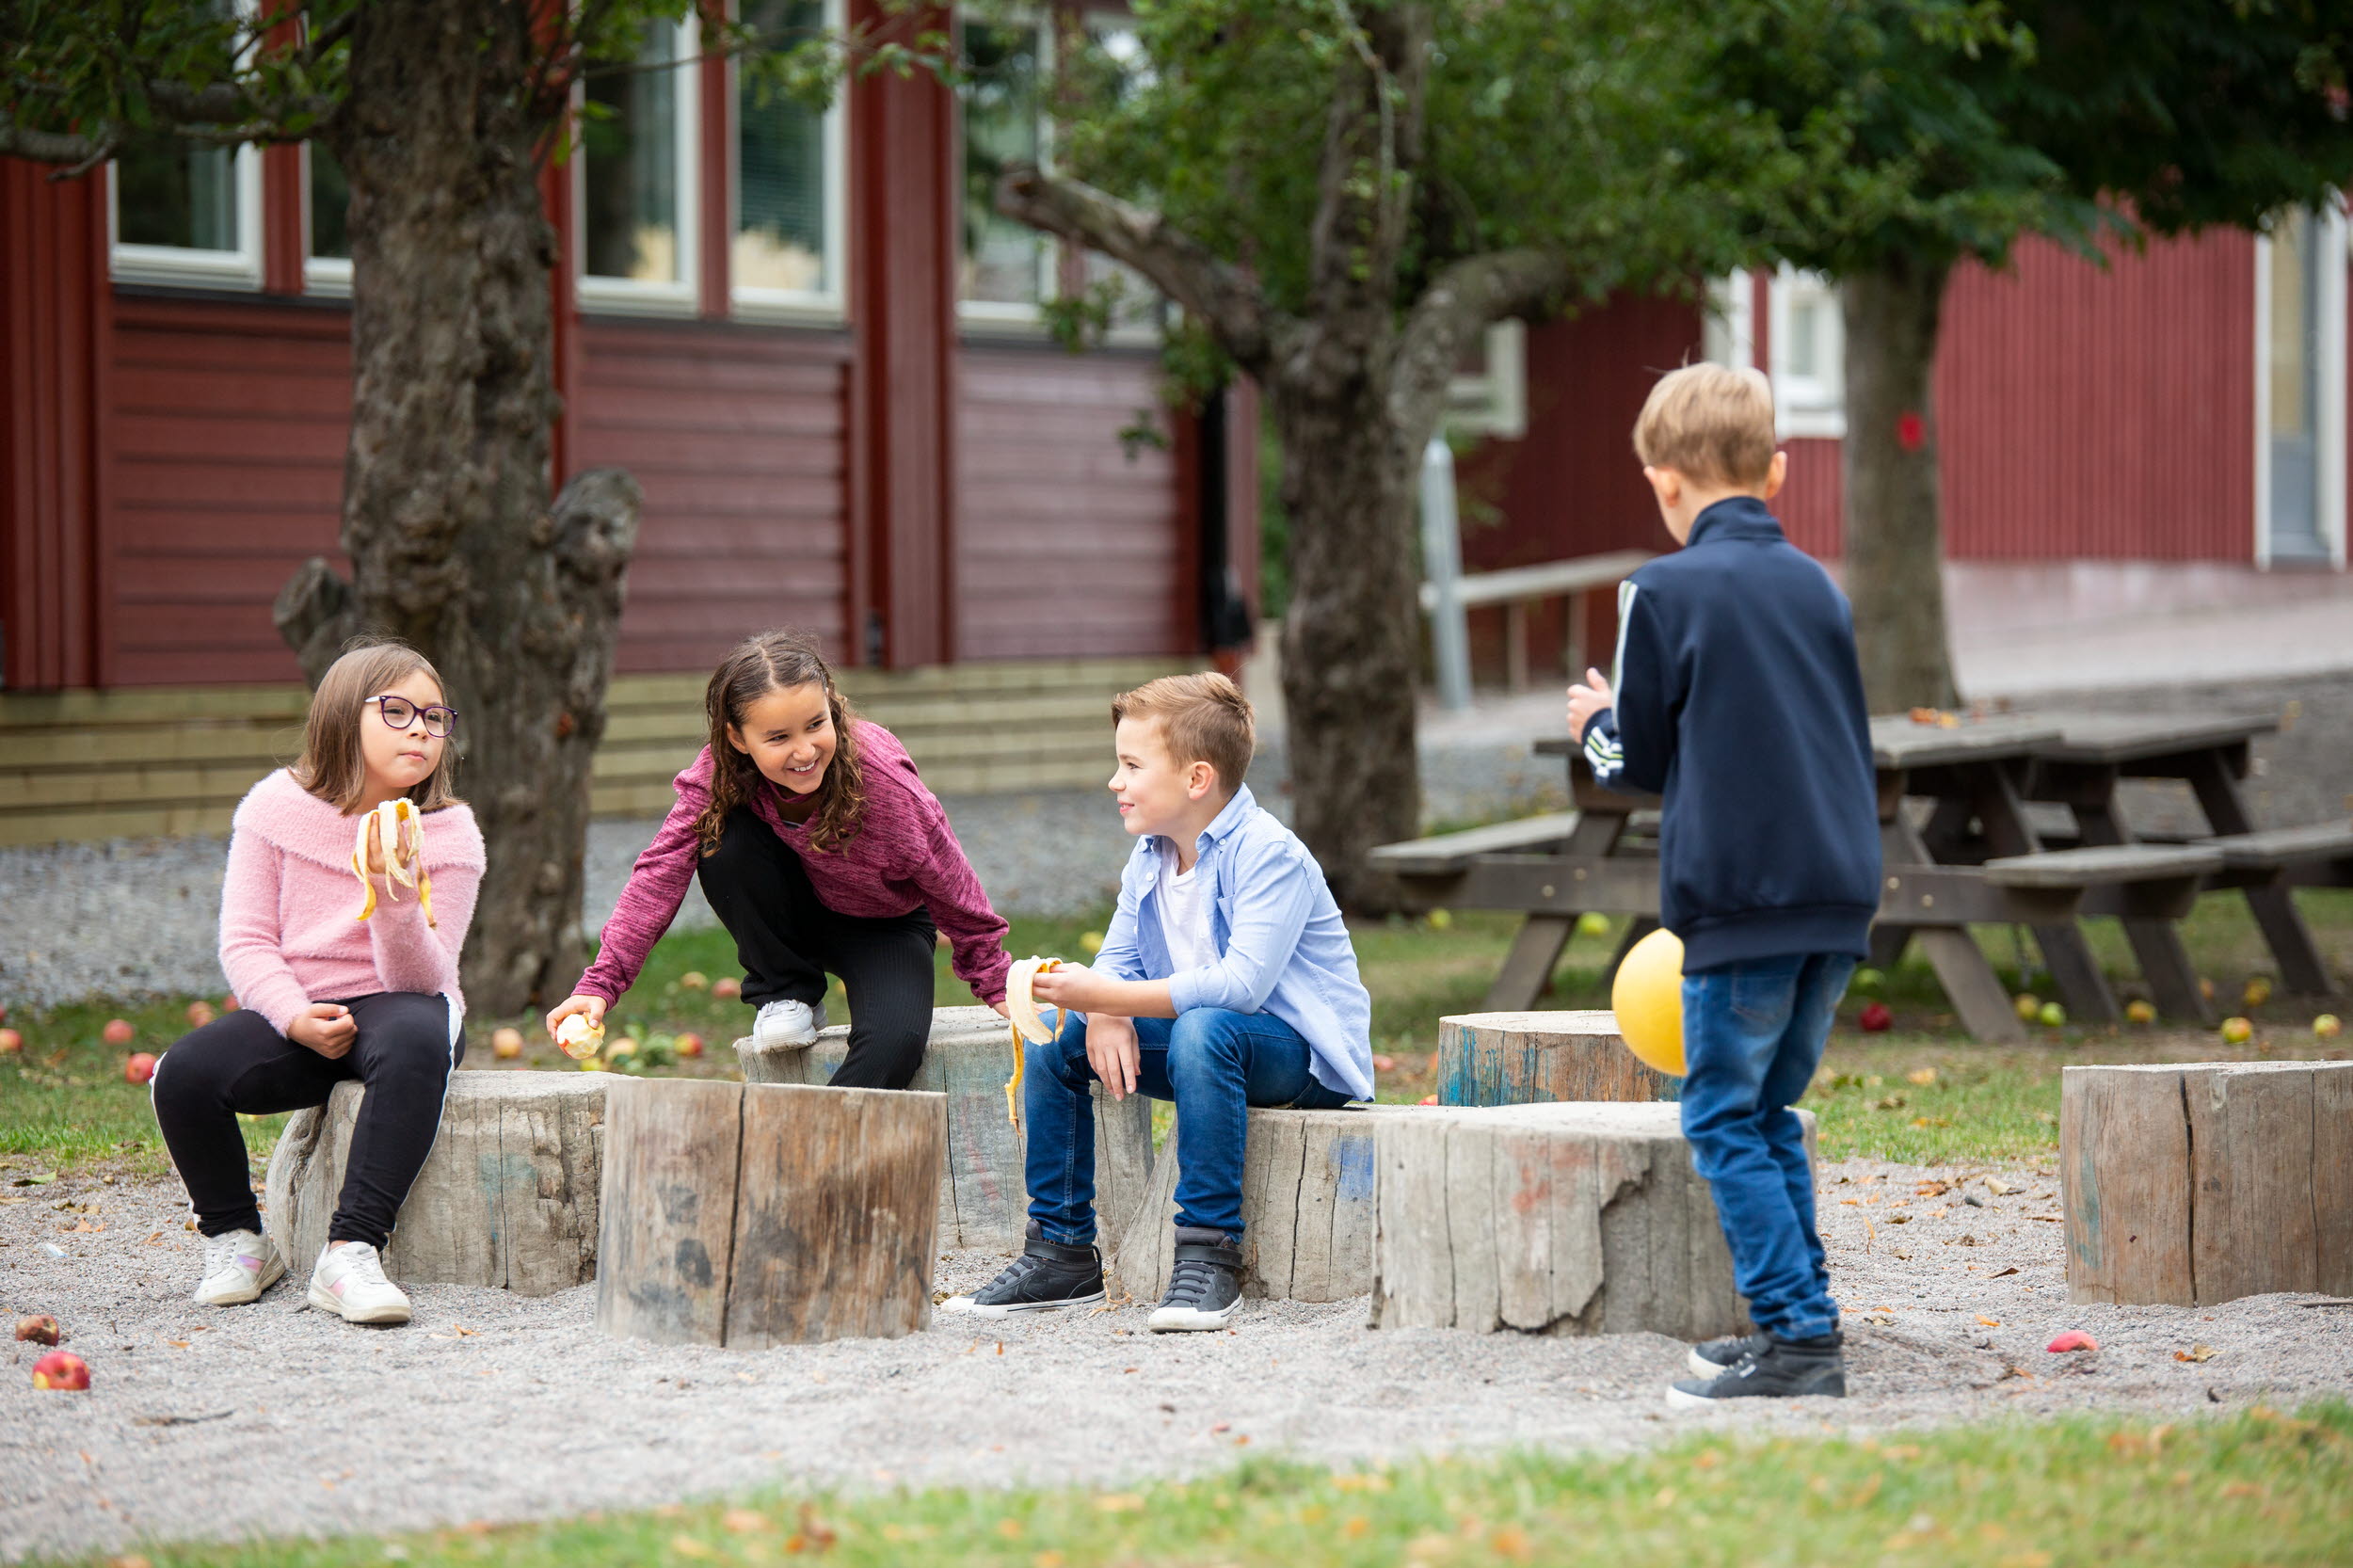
[(1739, 702)]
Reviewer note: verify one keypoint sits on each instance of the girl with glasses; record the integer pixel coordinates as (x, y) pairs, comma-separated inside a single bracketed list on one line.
[(324, 997)]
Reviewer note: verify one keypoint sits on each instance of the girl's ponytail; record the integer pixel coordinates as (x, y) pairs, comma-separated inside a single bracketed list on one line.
[(774, 661)]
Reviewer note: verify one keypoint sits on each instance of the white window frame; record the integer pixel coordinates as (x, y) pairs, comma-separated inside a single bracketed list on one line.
[(640, 296), (321, 275), (827, 306), (1806, 404), (187, 266), (1494, 403), (1004, 316), (1728, 331), (2336, 253)]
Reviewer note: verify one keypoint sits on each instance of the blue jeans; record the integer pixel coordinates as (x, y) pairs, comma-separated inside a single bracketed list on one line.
[(1752, 1034), (1213, 1063)]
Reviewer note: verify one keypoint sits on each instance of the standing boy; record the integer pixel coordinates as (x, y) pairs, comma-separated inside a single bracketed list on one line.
[(1226, 980), (1739, 698)]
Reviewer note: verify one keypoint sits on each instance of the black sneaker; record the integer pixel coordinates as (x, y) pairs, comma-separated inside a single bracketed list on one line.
[(1204, 1286), (1046, 1275), (1713, 1356), (1787, 1368)]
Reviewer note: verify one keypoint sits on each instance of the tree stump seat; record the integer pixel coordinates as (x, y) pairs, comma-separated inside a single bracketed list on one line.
[(748, 1215), (983, 1201), (1559, 1219), (508, 1198), (2194, 1183), (1525, 1057)]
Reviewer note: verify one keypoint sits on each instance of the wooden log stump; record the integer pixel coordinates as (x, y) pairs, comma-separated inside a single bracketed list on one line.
[(507, 1197), (751, 1215), (1307, 1208), (2194, 1183), (983, 1201), (1524, 1058), (1549, 1219)]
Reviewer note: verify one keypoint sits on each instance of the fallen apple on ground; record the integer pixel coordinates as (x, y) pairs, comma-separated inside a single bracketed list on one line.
[(1091, 942), (2237, 1032), (2328, 1026), (2140, 1012), (506, 1043), (139, 1067), (230, 1002), (61, 1369), (1875, 1017), (726, 988), (1383, 1063), (690, 1044), (200, 1014), (1592, 923), (694, 980), (38, 1329), (118, 1032), (2053, 1013), (2029, 1005), (10, 1042), (2073, 1340)]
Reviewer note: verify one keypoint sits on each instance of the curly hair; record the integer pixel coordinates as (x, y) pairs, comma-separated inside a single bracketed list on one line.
[(771, 661)]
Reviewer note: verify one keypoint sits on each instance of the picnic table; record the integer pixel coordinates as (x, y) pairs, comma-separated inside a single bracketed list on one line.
[(1966, 852)]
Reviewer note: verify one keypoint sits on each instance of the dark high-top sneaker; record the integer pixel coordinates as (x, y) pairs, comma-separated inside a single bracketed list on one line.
[(1713, 1356), (1786, 1369), (1046, 1275), (1204, 1286)]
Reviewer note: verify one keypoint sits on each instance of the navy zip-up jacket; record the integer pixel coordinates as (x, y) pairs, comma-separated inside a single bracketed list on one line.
[(1739, 697)]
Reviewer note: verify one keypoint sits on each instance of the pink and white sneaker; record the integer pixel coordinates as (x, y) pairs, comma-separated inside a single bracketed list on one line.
[(349, 1282), (238, 1267)]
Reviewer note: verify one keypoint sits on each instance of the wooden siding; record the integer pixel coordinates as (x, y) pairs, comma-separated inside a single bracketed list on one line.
[(91, 765), (1066, 543), (736, 435), (2102, 414)]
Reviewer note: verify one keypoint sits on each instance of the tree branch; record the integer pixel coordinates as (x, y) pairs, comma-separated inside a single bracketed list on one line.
[(1462, 300), (1372, 151), (1226, 299), (56, 147)]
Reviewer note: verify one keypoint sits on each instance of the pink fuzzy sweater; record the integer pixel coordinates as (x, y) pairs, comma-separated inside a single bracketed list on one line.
[(903, 855), (289, 931)]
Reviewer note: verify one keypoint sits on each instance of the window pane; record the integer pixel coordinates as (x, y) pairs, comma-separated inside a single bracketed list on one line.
[(1003, 261), (1117, 70), (1805, 337), (630, 166), (330, 205), (781, 168), (177, 193), (2293, 309)]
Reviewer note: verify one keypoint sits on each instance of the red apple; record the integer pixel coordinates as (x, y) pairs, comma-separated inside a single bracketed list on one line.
[(694, 980), (230, 1002), (200, 1014), (41, 1330), (1427, 1100), (726, 988), (118, 1032), (506, 1043), (2073, 1340), (61, 1369), (139, 1067), (10, 1042), (1383, 1063), (1875, 1017), (690, 1044)]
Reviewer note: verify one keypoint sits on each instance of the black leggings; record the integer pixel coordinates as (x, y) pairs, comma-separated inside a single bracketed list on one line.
[(786, 941), (403, 1052)]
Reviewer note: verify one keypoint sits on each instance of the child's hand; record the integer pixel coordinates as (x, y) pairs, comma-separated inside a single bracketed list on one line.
[(325, 1028), (1073, 988), (593, 1006), (1114, 1052), (1587, 700), (999, 1008)]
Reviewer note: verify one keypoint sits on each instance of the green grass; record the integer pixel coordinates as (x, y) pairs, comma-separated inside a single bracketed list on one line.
[(2256, 1487), (68, 1106)]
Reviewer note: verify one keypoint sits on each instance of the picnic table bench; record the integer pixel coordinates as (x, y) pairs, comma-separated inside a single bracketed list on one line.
[(1963, 852)]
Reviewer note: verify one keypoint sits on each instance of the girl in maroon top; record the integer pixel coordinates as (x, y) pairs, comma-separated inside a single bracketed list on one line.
[(819, 850)]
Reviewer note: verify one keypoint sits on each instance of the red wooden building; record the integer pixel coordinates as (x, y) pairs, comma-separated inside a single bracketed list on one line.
[(820, 356), (2167, 428)]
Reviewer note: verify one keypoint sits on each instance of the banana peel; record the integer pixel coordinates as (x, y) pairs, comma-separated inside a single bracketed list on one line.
[(398, 829), (1021, 1008)]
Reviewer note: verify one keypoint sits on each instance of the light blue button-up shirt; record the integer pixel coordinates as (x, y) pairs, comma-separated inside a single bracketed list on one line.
[(1283, 948)]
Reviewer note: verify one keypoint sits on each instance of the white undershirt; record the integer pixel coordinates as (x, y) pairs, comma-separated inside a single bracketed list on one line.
[(1184, 913)]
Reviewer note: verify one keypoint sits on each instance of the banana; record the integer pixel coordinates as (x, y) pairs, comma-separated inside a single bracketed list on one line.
[(398, 829)]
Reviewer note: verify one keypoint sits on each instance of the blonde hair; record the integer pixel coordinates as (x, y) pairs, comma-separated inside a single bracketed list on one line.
[(1204, 718), (331, 766), (1710, 422)]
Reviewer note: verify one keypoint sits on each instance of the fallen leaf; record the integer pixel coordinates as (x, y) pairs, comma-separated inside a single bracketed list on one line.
[(182, 1344), (153, 1240), (743, 1521), (2197, 1352), (1989, 1322), (2011, 1270), (1999, 1188), (1921, 1076)]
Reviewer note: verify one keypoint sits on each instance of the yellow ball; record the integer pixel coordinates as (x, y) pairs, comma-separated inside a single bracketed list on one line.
[(1647, 996)]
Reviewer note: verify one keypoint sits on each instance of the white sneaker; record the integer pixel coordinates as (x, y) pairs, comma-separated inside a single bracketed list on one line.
[(788, 1025), (238, 1267), (349, 1282)]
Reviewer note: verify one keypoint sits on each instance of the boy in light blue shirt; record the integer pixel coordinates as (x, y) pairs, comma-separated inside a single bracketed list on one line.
[(1227, 980)]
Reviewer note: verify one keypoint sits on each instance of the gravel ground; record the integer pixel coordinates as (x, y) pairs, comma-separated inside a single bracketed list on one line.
[(273, 1419)]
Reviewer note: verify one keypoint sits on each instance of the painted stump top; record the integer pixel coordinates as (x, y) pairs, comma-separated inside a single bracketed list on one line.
[(1585, 1021), (1632, 1121)]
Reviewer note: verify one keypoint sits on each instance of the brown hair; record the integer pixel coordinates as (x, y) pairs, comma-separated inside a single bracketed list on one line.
[(1204, 718), (1710, 422), (772, 661), (331, 766)]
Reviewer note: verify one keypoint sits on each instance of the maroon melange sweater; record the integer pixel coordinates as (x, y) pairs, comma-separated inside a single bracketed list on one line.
[(903, 854)]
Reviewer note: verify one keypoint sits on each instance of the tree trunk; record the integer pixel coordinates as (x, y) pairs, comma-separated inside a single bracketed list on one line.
[(1350, 637), (454, 546), (1895, 527)]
